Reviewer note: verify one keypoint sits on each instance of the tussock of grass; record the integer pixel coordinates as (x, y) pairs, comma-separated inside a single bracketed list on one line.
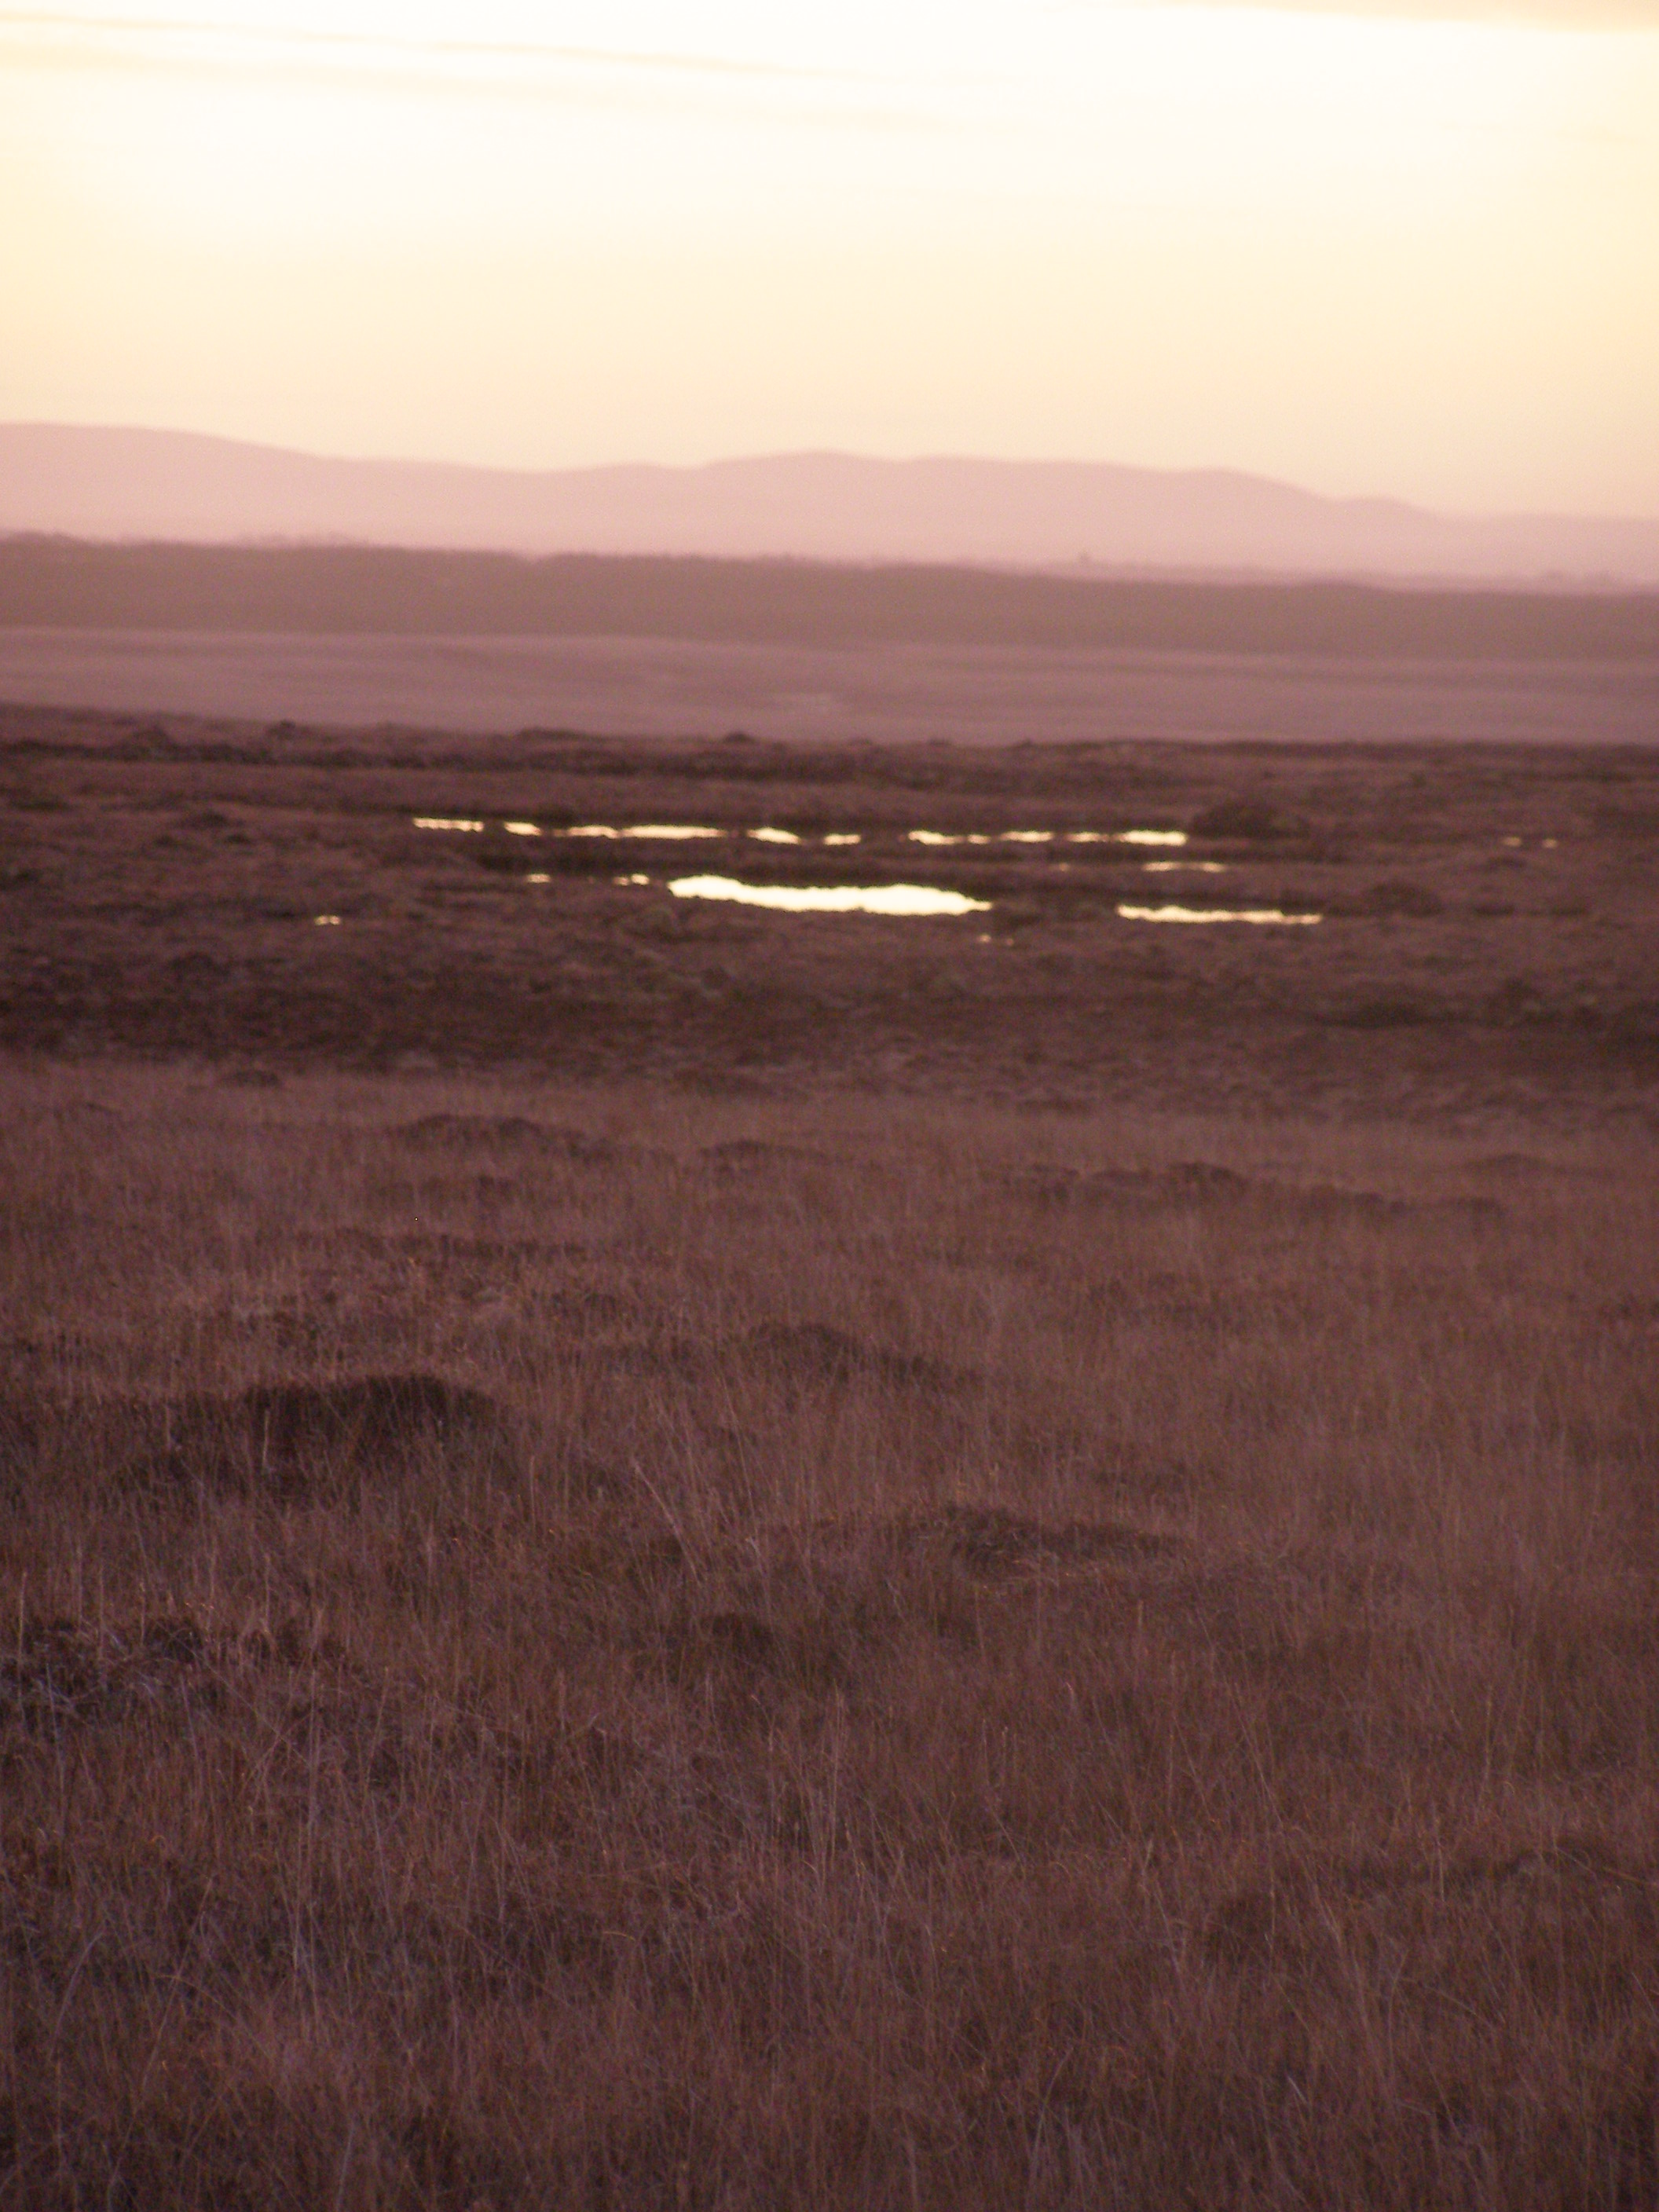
[(592, 1648)]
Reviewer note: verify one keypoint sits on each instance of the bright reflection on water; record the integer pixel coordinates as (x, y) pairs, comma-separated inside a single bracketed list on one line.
[(1049, 837), (1187, 868), (767, 835), (671, 831), (660, 829), (836, 898), (665, 831), (1214, 914)]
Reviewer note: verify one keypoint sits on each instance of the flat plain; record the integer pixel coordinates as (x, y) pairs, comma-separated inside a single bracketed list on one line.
[(662, 1554), (899, 693), (806, 651)]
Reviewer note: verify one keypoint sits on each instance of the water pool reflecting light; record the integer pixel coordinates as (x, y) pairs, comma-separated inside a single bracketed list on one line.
[(663, 830), (1267, 914), (832, 898), (1048, 838)]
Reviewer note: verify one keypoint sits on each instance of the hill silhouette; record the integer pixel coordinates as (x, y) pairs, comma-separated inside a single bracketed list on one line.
[(137, 484)]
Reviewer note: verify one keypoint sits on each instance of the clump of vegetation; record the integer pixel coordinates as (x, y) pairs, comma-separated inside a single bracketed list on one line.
[(1396, 895), (1243, 818)]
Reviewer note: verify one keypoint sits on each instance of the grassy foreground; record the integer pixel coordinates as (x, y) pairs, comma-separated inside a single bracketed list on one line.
[(602, 1648)]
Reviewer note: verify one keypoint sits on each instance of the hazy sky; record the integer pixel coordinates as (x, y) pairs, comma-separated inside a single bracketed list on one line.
[(1402, 246)]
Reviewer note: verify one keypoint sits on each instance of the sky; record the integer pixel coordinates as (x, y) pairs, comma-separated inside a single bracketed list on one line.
[(1404, 249)]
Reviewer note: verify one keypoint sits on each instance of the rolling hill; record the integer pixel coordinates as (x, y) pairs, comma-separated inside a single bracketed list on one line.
[(112, 483)]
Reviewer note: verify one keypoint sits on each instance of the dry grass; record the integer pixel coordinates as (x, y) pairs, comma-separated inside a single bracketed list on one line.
[(590, 1648)]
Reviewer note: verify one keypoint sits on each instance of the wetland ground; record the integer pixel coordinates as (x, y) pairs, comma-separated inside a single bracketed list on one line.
[(657, 1553)]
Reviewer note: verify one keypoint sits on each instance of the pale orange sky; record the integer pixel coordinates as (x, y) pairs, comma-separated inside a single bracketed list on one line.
[(1409, 249)]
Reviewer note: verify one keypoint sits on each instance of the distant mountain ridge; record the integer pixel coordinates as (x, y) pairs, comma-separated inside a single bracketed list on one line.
[(183, 486)]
